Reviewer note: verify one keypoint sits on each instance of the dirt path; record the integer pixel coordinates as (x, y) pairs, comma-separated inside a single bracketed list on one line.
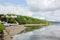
[(11, 31)]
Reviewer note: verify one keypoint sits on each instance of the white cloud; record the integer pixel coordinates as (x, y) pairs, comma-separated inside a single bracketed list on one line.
[(15, 9), (47, 9), (44, 4), (44, 9)]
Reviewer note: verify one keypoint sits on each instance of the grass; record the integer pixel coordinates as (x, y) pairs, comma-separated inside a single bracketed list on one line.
[(1, 28)]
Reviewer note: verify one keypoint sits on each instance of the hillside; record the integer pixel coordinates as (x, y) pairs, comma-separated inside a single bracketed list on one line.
[(13, 19), (22, 19)]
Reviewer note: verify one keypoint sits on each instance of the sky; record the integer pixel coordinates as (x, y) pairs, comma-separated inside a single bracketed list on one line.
[(42, 9)]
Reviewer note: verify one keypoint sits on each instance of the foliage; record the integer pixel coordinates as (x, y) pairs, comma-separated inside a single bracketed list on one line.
[(1, 27), (24, 20), (10, 20), (21, 20), (29, 20)]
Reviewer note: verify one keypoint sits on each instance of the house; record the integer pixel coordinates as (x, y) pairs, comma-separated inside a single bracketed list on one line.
[(9, 24)]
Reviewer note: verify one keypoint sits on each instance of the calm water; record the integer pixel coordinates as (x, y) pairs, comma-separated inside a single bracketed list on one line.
[(49, 33)]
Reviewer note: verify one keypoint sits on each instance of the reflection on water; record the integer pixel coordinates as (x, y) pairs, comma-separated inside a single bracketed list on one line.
[(49, 33), (37, 37)]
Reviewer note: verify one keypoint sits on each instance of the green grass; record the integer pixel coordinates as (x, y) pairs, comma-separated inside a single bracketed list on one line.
[(31, 28), (1, 27)]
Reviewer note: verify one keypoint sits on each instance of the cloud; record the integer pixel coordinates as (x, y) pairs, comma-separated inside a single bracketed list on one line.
[(15, 9), (43, 9), (44, 4), (46, 9)]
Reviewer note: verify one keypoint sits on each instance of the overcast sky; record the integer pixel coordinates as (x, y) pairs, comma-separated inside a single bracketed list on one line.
[(44, 9)]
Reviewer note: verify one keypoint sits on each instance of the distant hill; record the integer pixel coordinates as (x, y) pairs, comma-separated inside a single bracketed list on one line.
[(55, 22), (22, 19)]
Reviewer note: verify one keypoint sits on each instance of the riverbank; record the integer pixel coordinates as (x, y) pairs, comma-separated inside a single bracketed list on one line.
[(14, 30)]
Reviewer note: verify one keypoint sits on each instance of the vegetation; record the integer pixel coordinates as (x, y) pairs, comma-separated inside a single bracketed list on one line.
[(1, 28), (23, 20), (29, 20)]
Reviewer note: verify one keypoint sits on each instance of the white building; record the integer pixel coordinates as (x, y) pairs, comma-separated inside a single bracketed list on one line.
[(9, 24)]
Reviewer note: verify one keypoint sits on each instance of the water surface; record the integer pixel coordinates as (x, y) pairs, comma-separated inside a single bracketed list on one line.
[(51, 32)]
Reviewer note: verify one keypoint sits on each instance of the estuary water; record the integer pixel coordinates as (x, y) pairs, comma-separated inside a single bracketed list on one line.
[(51, 32)]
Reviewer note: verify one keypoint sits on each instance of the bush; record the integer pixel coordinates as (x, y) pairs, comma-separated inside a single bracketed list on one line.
[(1, 28)]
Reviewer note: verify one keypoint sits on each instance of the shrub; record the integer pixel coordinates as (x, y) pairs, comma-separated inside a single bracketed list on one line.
[(1, 28)]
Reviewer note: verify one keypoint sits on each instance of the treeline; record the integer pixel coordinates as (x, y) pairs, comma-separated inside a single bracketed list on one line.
[(23, 20), (29, 20)]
